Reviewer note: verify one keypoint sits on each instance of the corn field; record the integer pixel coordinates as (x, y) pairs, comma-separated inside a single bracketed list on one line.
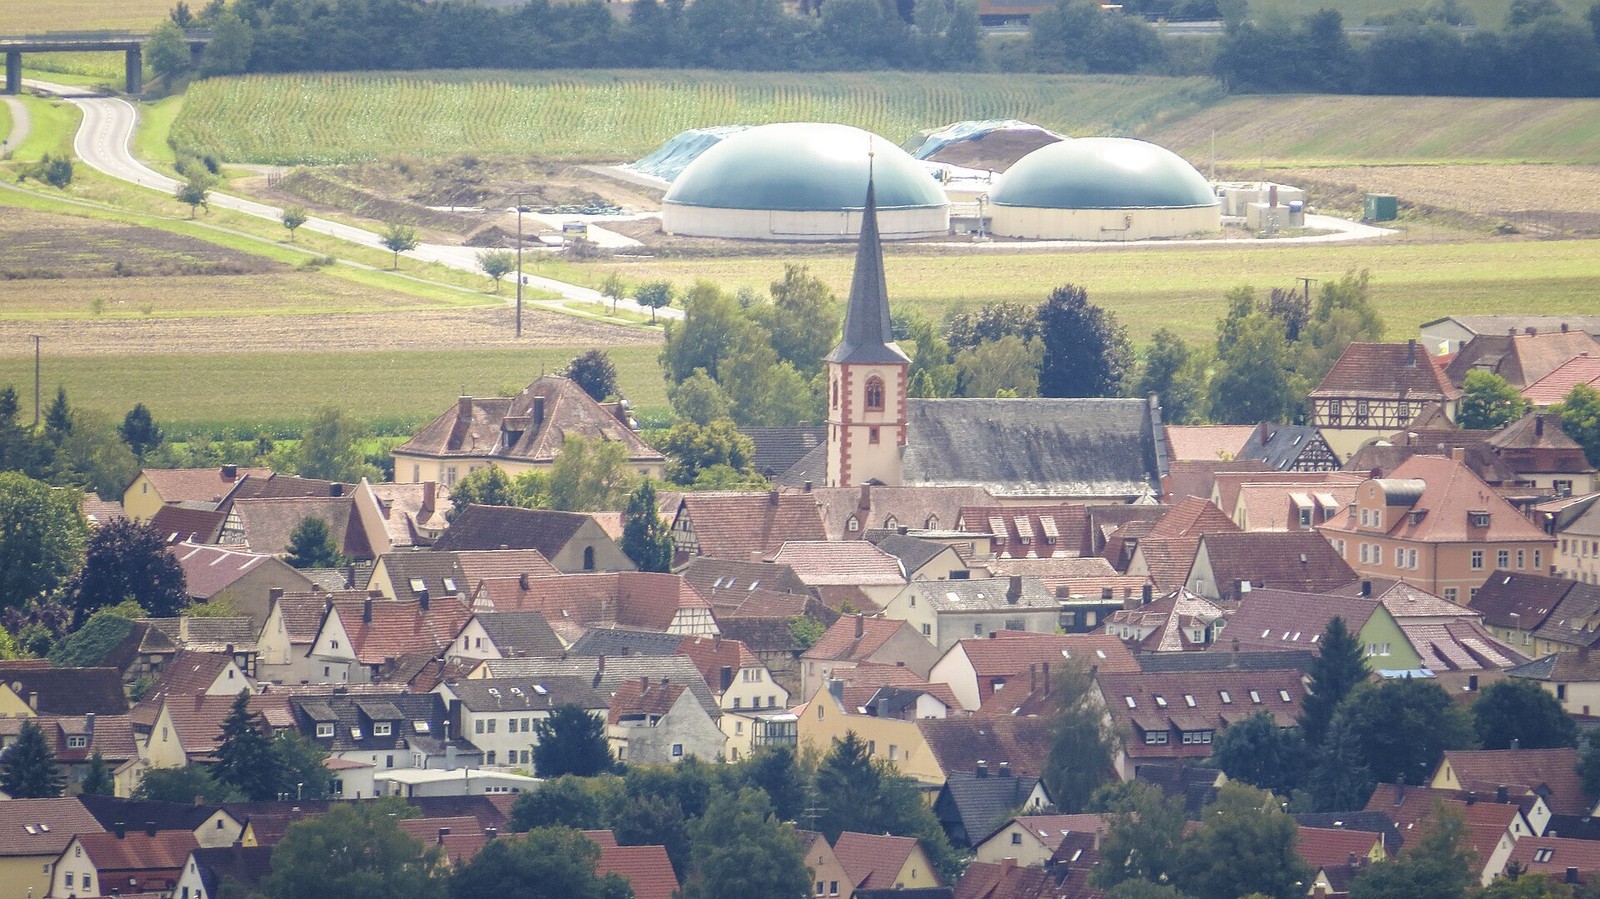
[(339, 118)]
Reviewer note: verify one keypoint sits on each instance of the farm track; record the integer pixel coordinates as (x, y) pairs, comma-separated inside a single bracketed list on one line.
[(103, 142), (20, 123)]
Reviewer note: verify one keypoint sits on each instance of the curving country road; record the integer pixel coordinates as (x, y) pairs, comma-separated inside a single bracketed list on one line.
[(103, 143)]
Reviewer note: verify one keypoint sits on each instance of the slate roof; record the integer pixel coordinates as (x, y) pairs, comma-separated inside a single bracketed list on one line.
[(1531, 597), (1279, 447), (357, 713), (1194, 786), (620, 641), (913, 552), (606, 674), (534, 693), (1552, 773), (1522, 358), (778, 449), (1386, 371), (69, 691), (1451, 491), (511, 427), (980, 803), (1554, 387), (183, 524), (520, 633), (1056, 447), (960, 743), (735, 526), (823, 563), (872, 860), (984, 594), (110, 811), (1295, 560), (1565, 667), (867, 337), (33, 827), (505, 527)]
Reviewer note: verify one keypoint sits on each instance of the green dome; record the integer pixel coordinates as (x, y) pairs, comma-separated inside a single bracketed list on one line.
[(804, 167), (1103, 173)]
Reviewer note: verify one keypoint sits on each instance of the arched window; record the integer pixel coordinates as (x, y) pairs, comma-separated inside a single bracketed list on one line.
[(588, 558), (874, 394)]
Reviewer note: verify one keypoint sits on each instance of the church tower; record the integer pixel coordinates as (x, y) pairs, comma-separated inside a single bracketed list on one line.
[(867, 374)]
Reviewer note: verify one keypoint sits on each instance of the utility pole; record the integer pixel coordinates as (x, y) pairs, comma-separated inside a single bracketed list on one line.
[(1307, 282), (519, 265), (36, 339)]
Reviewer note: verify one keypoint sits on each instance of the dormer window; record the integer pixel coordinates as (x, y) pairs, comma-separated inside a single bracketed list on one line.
[(1478, 519), (852, 524), (77, 741), (382, 729), (325, 730)]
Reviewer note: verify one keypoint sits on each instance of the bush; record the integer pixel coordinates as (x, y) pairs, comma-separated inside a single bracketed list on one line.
[(55, 171)]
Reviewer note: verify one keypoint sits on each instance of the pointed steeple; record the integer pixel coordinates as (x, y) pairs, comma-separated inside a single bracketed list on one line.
[(868, 337)]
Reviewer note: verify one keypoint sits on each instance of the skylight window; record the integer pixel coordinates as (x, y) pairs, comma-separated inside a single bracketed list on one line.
[(1161, 702), (1131, 703), (418, 585), (450, 584), (1284, 695), (1226, 699), (1188, 700), (1255, 697)]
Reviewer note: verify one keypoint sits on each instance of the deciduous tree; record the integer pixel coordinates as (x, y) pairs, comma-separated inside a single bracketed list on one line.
[(1488, 402), (1517, 709), (42, 538), (547, 863), (355, 851), (699, 399), (1008, 366), (1245, 844), (486, 486), (570, 741), (1258, 752), (330, 449), (497, 264), (28, 768), (293, 217), (654, 295), (803, 318), (1437, 863), (167, 51), (1579, 411), (1175, 372), (128, 560), (195, 193), (398, 238), (692, 448), (590, 475), (98, 780), (587, 803), (594, 372), (741, 849), (1143, 832), (1086, 350), (1402, 727), (1080, 744), (301, 772), (1254, 378), (187, 785)]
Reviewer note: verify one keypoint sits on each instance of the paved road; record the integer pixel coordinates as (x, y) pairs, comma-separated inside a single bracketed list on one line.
[(103, 143), (20, 123)]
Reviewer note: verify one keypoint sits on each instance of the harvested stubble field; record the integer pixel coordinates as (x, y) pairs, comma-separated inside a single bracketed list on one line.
[(37, 244), (22, 17), (1351, 130), (323, 119)]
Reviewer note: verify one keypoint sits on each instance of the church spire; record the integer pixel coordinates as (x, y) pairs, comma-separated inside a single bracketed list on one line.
[(868, 337)]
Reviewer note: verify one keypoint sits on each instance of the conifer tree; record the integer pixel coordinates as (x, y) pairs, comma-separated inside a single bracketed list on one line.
[(645, 539), (245, 757), (1336, 671), (28, 769), (98, 780)]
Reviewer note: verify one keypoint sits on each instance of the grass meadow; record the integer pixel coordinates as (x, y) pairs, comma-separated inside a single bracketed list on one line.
[(335, 118)]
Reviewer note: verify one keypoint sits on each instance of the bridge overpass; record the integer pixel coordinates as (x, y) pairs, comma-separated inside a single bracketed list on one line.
[(129, 44)]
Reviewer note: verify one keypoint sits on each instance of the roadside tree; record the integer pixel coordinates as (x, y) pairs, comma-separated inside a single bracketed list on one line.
[(497, 264), (399, 239), (293, 217)]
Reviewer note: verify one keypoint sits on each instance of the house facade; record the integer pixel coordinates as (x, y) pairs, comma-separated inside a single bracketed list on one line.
[(1376, 389)]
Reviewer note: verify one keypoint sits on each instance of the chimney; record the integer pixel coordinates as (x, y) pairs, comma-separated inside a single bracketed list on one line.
[(1400, 790), (1033, 679), (982, 770), (1005, 769), (1472, 797), (88, 723), (1511, 332), (1501, 794), (1014, 590), (1515, 744), (772, 497), (422, 599), (727, 677), (1006, 864), (1538, 425), (491, 832), (861, 626), (229, 472), (1105, 592), (449, 756), (522, 580), (336, 490), (600, 662), (366, 611), (1351, 860), (1044, 674), (443, 832), (806, 486), (1531, 332), (864, 501), (1366, 588), (464, 408), (149, 828), (1146, 594), (274, 593), (120, 829), (1563, 327), (644, 683), (1411, 353), (33, 700), (1572, 874), (538, 411)]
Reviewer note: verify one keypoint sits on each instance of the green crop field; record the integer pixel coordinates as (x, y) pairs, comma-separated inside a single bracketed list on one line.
[(318, 119), (274, 391), (1182, 288)]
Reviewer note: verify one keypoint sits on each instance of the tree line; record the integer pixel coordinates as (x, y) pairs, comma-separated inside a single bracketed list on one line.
[(1540, 49)]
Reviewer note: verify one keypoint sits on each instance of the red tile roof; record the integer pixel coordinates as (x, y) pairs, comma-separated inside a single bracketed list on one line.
[(464, 840), (1521, 359), (737, 525), (1201, 443), (960, 743), (1552, 856), (1387, 370), (1009, 653), (711, 654), (1006, 880), (1550, 772), (21, 832), (1328, 846), (269, 524), (1554, 387), (823, 563), (198, 719), (641, 696), (1182, 701), (157, 858), (381, 630), (208, 570), (855, 638), (1272, 619), (176, 523), (1293, 560), (211, 485), (575, 602), (481, 564), (1450, 492), (1043, 531), (1191, 517), (647, 868), (873, 861)]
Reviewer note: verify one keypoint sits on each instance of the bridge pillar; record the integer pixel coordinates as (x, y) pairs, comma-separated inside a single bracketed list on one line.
[(13, 72), (135, 70)]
